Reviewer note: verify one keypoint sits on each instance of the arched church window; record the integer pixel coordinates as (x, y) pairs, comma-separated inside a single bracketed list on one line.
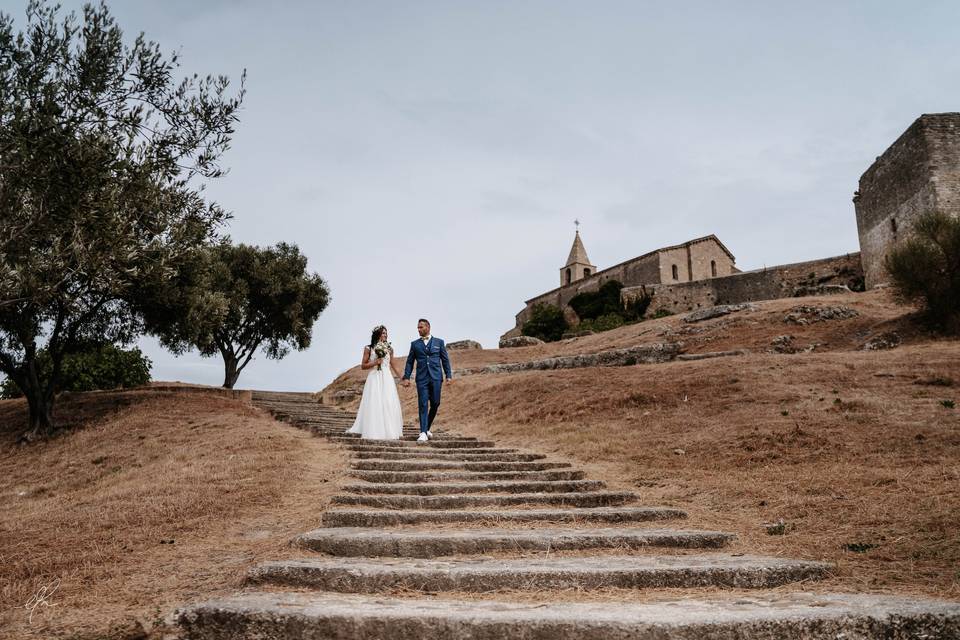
[(586, 273), (676, 273), (713, 268), (568, 276)]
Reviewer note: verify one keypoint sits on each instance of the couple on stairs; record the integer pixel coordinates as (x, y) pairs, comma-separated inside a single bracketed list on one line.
[(379, 416)]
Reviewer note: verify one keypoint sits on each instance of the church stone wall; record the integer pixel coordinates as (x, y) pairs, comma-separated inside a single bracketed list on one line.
[(783, 281), (919, 172)]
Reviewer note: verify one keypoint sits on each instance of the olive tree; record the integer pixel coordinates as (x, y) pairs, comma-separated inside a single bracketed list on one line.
[(232, 300), (101, 153)]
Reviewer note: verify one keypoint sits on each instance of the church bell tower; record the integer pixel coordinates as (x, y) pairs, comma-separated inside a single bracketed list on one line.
[(578, 264)]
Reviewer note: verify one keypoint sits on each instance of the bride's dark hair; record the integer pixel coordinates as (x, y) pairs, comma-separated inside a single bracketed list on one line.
[(375, 338)]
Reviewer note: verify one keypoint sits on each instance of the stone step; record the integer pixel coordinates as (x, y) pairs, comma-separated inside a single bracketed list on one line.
[(427, 450), (440, 444), (457, 501), (453, 455), (431, 543), (414, 489), (787, 616), (448, 476), (442, 465), (366, 575), (368, 518)]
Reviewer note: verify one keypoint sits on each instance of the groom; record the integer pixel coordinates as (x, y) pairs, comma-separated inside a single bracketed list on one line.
[(430, 354)]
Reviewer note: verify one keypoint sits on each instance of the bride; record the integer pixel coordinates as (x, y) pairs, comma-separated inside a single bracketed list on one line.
[(379, 416)]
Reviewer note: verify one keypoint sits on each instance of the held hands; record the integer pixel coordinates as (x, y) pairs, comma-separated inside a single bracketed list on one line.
[(406, 382)]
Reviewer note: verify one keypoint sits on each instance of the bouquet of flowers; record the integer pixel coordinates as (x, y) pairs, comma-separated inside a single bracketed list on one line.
[(381, 351)]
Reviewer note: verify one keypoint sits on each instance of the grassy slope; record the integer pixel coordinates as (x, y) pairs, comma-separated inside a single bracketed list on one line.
[(160, 498), (847, 446)]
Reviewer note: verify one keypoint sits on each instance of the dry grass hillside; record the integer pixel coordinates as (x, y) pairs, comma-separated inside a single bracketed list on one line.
[(857, 452), (151, 499)]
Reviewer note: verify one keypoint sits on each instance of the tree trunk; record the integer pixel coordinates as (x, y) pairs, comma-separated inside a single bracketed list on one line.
[(41, 413), (230, 373)]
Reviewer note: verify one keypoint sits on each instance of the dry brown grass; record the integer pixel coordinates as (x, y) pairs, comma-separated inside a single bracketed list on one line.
[(152, 500), (847, 447)]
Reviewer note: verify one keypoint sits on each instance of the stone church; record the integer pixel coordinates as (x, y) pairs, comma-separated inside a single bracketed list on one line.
[(693, 260)]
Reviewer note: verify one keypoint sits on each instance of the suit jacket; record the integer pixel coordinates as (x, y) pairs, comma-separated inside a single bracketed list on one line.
[(431, 358)]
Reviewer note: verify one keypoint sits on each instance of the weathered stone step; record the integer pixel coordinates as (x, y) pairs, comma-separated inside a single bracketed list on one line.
[(519, 486), (440, 444), (443, 465), (455, 501), (367, 518), (366, 575), (353, 541), (448, 476), (453, 455), (373, 448), (789, 616)]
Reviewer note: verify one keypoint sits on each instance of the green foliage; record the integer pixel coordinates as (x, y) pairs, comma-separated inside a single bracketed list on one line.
[(926, 268), (101, 147), (546, 322), (234, 299), (591, 305), (603, 310), (662, 313), (605, 322), (95, 367)]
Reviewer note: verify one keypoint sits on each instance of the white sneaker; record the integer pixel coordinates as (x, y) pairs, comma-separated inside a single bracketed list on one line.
[(430, 435), (423, 437)]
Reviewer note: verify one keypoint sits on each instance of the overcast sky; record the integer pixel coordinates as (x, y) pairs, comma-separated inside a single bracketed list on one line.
[(430, 157)]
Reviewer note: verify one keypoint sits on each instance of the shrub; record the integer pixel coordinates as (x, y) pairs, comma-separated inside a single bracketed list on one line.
[(608, 321), (94, 367), (926, 269), (590, 305), (546, 322)]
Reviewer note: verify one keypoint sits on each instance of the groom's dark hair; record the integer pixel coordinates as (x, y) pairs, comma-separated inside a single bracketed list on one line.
[(424, 320)]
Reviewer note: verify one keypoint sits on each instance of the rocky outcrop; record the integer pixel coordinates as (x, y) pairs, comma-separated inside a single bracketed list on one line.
[(643, 354), (807, 314), (519, 341), (464, 344), (715, 312)]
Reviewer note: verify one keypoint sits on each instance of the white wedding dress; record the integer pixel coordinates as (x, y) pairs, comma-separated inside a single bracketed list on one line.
[(379, 416)]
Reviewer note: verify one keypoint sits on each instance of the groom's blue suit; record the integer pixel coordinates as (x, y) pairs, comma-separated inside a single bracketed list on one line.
[(432, 363)]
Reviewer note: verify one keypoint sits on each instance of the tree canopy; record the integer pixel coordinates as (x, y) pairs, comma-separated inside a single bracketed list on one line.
[(101, 152), (233, 300)]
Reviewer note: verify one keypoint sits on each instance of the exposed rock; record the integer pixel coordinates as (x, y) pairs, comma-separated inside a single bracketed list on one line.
[(883, 341), (821, 290), (808, 314), (519, 341), (717, 311), (783, 344), (578, 334), (464, 344), (712, 354), (643, 354)]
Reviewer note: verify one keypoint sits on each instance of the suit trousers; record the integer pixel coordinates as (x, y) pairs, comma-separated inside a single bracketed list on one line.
[(428, 399)]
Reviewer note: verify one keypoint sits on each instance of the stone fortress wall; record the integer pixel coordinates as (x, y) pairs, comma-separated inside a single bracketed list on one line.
[(919, 172), (783, 281)]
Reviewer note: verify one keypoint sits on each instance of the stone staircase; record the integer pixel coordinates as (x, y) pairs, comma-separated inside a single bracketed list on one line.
[(422, 526)]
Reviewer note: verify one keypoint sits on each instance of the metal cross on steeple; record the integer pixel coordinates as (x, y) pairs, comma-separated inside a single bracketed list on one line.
[(577, 223)]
